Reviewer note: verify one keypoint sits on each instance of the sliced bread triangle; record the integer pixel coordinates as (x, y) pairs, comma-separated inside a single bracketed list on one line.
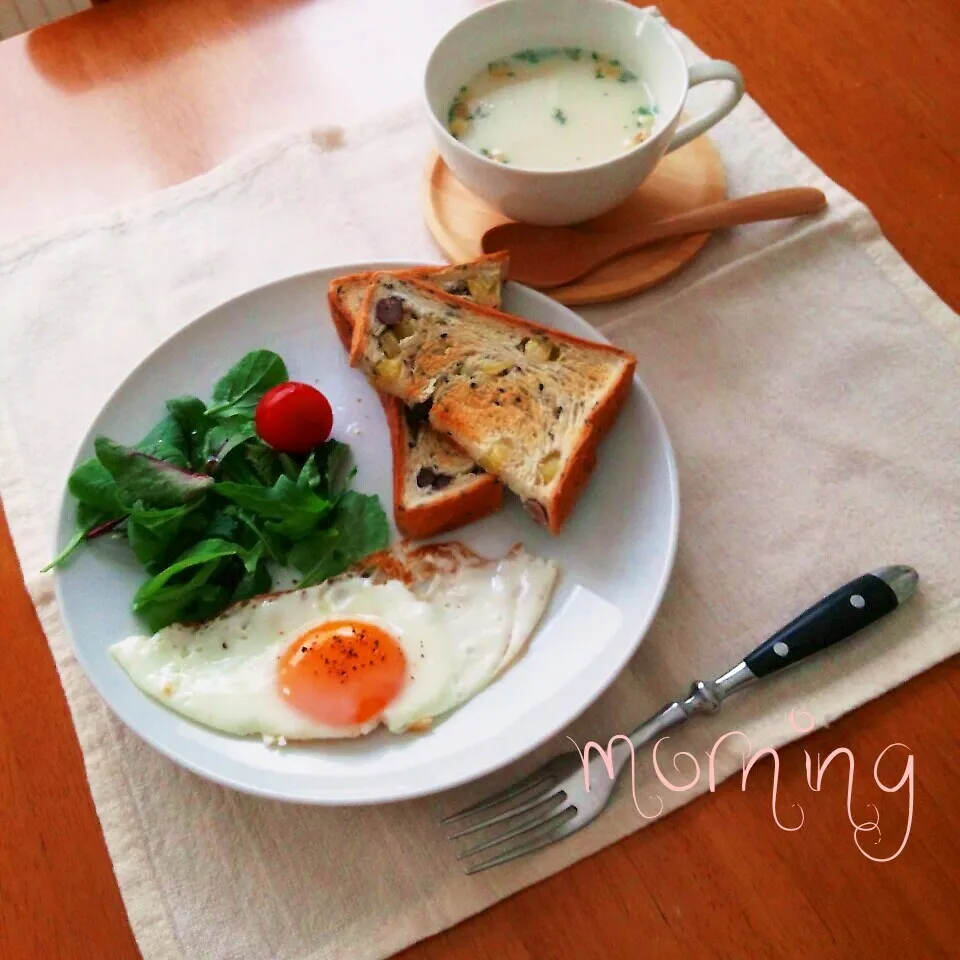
[(528, 403)]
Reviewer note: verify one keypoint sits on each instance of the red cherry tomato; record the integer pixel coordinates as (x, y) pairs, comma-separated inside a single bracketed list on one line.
[(293, 417)]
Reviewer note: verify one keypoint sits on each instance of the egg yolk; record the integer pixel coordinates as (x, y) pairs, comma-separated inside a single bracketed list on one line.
[(342, 672)]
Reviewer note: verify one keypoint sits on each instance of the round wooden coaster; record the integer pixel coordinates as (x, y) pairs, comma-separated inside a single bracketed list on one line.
[(691, 177)]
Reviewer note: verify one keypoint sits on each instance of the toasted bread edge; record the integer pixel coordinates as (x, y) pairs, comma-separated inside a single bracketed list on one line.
[(583, 461)]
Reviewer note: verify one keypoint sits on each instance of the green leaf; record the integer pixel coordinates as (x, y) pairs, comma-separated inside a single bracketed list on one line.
[(255, 580), (224, 525), (201, 554), (264, 461), (72, 545), (235, 467), (241, 388), (203, 581), (192, 599), (310, 477), (89, 517), (212, 598), (92, 484), (89, 520), (358, 527), (291, 469), (251, 558), (294, 527), (226, 434), (166, 441), (276, 546), (157, 536), (190, 413), (284, 501), (333, 460), (98, 502), (141, 477)]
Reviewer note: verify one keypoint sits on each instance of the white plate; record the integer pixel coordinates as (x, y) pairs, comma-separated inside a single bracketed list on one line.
[(615, 553)]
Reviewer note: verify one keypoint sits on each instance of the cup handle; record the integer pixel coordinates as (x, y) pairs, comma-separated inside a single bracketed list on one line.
[(704, 72)]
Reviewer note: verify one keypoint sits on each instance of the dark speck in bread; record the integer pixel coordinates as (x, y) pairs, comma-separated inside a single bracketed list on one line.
[(389, 311), (416, 415), (428, 477)]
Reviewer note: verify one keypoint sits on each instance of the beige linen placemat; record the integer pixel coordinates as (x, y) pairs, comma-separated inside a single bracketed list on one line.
[(809, 382)]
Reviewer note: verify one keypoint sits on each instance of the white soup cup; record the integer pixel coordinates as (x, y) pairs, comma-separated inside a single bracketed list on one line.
[(638, 38)]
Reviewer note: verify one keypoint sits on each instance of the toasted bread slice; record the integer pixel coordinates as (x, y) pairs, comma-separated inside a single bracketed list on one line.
[(479, 280), (528, 403), (436, 487)]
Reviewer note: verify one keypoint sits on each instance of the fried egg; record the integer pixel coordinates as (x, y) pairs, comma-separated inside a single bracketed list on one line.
[(403, 641)]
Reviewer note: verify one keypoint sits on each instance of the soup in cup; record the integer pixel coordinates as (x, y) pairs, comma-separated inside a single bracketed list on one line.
[(555, 111)]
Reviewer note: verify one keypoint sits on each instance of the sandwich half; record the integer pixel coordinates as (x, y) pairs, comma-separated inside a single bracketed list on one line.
[(528, 403), (436, 486)]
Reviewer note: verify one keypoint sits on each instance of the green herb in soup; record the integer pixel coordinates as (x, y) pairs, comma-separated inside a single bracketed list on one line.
[(544, 108)]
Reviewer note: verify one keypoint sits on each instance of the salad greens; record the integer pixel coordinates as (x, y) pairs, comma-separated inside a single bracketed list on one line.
[(208, 508)]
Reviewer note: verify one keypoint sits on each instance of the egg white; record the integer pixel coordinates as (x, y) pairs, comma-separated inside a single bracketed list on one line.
[(489, 613), (223, 673), (458, 630)]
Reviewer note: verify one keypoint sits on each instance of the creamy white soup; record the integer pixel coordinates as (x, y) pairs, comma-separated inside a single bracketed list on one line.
[(552, 108)]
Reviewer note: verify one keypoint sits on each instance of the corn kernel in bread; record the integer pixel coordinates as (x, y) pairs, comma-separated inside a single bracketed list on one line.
[(436, 487), (528, 403)]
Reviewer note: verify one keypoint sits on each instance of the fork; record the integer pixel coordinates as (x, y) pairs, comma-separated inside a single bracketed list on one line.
[(558, 798)]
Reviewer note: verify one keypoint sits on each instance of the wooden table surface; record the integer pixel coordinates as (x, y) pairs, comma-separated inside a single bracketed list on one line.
[(139, 94)]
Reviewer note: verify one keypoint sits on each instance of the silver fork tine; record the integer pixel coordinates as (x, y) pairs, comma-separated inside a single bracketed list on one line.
[(508, 793), (558, 833), (525, 827), (536, 801)]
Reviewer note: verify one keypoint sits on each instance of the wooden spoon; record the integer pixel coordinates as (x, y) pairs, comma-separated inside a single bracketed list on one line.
[(547, 257)]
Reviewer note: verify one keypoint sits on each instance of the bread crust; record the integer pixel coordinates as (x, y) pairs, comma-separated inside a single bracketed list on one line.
[(582, 460), (445, 511), (342, 320)]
